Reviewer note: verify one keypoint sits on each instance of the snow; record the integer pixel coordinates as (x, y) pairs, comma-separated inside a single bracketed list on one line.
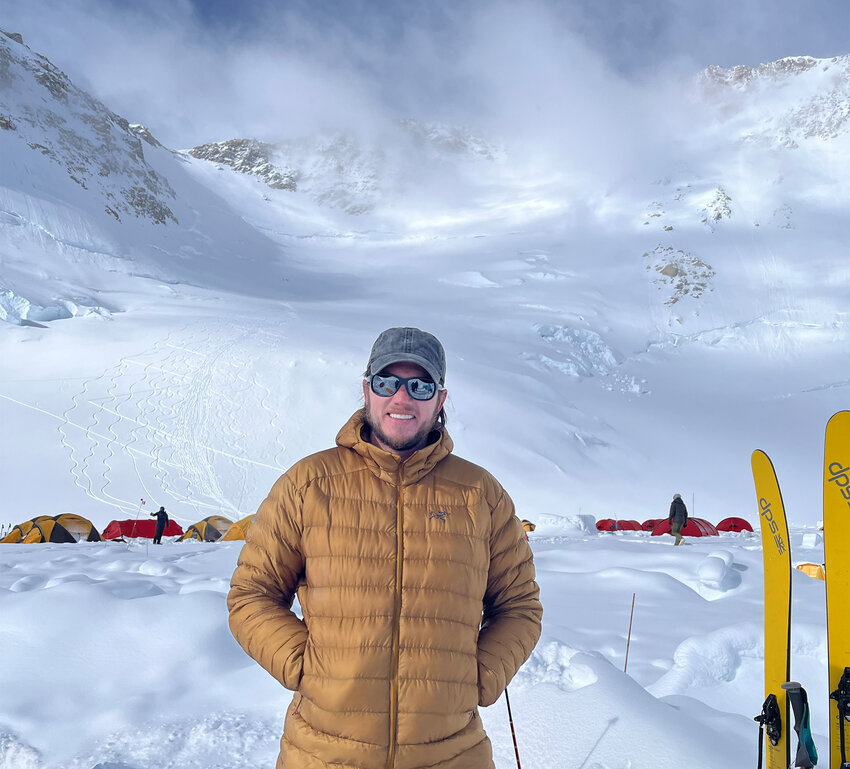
[(123, 650), (642, 331)]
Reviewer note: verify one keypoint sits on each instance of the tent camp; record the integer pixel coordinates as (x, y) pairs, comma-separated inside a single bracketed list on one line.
[(734, 524), (239, 530), (695, 527), (20, 530), (66, 527), (144, 528), (617, 524), (650, 523), (210, 529)]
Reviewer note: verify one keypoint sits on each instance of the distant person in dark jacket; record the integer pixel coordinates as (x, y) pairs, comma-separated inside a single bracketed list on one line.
[(161, 523), (678, 518)]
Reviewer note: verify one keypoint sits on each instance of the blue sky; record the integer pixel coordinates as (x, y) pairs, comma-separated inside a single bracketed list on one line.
[(204, 70)]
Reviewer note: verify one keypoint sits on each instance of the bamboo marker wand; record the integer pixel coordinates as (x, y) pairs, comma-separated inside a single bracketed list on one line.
[(629, 639)]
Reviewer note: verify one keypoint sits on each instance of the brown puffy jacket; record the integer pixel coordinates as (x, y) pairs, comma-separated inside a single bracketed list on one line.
[(417, 589)]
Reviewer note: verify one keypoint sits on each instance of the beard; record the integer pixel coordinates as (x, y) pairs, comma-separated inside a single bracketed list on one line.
[(419, 438)]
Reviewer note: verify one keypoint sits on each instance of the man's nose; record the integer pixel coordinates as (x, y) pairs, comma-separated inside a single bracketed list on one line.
[(401, 395)]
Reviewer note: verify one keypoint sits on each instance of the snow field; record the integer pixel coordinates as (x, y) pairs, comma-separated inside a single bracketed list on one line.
[(124, 650)]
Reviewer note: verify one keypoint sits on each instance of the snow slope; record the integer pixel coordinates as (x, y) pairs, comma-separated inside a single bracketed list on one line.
[(653, 330)]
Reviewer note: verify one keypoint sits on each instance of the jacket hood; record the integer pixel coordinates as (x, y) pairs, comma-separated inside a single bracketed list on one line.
[(387, 466)]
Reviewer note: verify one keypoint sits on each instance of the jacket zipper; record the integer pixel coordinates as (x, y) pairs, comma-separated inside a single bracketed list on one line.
[(399, 572)]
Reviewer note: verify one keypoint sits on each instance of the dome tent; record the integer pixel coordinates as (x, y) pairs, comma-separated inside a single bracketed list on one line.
[(210, 529), (239, 530), (695, 527), (814, 570), (650, 523), (617, 524), (20, 530), (144, 528), (734, 524), (66, 527)]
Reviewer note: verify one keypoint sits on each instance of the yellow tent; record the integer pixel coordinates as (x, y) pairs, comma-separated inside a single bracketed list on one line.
[(528, 525), (813, 570), (209, 529), (66, 527), (239, 530), (20, 530)]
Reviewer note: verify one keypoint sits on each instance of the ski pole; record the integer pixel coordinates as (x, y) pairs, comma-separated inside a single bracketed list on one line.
[(513, 733), (629, 639)]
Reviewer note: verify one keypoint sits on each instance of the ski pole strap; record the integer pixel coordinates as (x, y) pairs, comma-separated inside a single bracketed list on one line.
[(842, 698), (770, 723)]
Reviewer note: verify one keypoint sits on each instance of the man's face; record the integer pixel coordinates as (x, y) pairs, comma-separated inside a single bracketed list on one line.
[(401, 424)]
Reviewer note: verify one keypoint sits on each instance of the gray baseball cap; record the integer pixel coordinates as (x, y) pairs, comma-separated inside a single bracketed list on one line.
[(408, 345)]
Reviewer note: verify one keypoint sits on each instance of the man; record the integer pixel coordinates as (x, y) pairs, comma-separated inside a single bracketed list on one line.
[(413, 575), (161, 523), (678, 518)]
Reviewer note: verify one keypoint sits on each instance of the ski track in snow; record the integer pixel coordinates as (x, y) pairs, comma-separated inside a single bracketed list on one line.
[(190, 403)]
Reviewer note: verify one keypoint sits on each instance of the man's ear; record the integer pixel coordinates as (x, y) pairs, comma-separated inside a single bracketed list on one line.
[(443, 395)]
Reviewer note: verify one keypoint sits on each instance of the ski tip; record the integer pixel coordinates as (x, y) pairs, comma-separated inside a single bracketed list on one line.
[(838, 416)]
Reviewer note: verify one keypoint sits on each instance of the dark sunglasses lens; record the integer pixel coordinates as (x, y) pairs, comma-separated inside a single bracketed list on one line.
[(385, 386), (420, 389)]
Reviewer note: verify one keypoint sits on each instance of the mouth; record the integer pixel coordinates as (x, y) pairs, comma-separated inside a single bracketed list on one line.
[(400, 416)]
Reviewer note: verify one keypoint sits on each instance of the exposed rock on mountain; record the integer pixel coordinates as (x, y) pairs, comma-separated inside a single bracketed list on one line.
[(784, 102), (249, 156), (717, 208), (681, 272), (96, 148), (344, 172), (455, 140)]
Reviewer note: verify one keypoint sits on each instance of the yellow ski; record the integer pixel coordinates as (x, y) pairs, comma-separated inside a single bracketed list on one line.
[(777, 614), (836, 545)]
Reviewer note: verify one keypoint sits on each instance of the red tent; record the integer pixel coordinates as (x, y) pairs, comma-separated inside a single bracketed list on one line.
[(621, 524), (734, 524), (141, 528), (650, 523), (695, 527)]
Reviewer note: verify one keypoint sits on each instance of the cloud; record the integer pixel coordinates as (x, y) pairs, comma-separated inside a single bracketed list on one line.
[(591, 81)]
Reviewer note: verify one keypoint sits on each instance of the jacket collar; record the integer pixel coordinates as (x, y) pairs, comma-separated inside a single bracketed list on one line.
[(389, 467)]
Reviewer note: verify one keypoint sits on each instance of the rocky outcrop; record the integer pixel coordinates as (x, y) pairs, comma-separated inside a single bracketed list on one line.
[(769, 110), (97, 148), (249, 156)]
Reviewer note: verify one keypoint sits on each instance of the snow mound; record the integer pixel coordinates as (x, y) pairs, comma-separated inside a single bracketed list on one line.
[(716, 571), (552, 663), (550, 525), (710, 659), (217, 741)]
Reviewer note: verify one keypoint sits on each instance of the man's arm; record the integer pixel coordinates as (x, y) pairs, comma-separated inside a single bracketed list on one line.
[(510, 626), (263, 587)]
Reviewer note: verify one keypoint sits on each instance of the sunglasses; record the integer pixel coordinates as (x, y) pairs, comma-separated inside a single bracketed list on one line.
[(417, 388)]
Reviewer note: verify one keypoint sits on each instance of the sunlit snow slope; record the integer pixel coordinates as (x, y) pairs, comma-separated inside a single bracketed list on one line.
[(180, 326)]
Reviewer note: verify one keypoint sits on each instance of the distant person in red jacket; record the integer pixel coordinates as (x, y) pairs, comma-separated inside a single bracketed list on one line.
[(161, 523), (678, 518)]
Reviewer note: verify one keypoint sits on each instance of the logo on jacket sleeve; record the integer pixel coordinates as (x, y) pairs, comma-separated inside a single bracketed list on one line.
[(439, 514)]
